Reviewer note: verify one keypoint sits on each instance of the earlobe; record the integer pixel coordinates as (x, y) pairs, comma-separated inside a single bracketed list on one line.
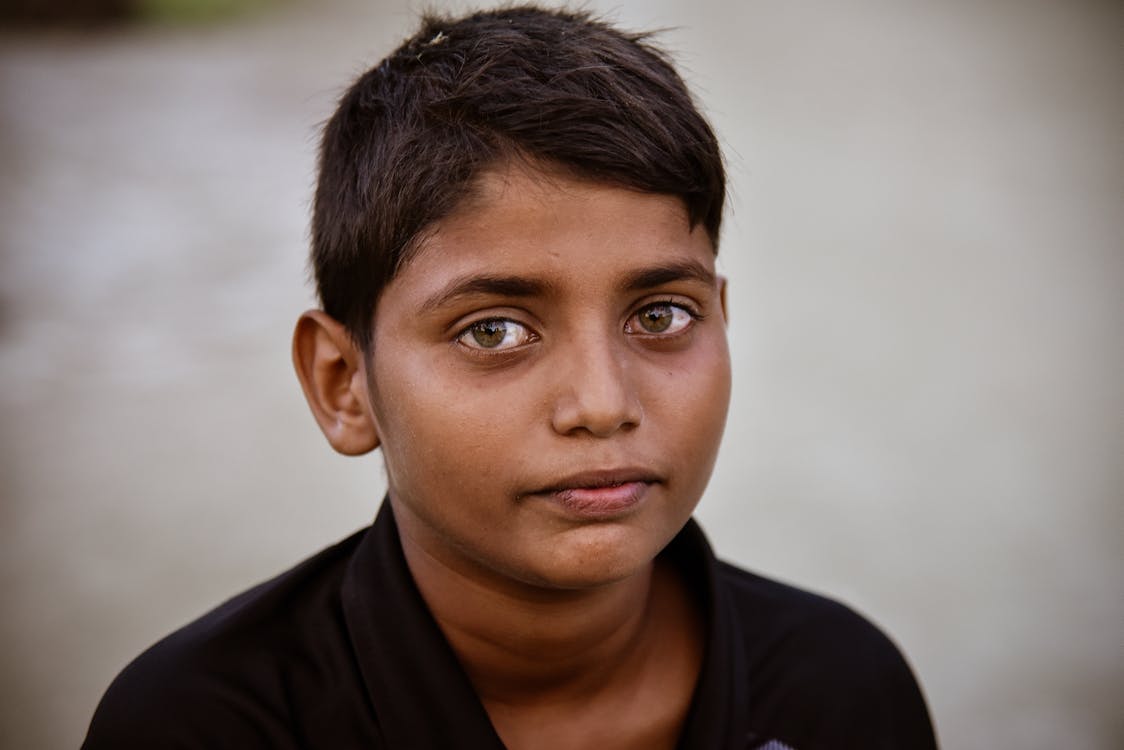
[(331, 373)]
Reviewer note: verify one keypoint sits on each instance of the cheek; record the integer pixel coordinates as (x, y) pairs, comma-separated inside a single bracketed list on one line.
[(438, 432), (692, 405), (698, 386)]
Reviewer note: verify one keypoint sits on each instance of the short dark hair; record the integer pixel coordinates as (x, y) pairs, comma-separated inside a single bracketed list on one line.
[(560, 88)]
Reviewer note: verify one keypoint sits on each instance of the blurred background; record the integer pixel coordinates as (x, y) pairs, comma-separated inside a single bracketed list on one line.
[(926, 256)]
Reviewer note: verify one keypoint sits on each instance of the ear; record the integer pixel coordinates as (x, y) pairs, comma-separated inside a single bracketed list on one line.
[(722, 298), (330, 368)]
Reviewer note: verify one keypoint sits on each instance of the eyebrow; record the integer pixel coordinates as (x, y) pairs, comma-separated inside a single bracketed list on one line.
[(649, 278), (519, 286), (500, 286)]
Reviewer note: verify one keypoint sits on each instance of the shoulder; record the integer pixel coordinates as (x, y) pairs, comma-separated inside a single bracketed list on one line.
[(782, 621), (821, 675), (226, 679)]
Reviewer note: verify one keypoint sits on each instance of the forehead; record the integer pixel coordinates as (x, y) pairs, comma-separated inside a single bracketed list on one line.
[(546, 220), (523, 183)]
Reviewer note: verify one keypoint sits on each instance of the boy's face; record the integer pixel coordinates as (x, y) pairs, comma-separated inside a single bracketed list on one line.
[(549, 381)]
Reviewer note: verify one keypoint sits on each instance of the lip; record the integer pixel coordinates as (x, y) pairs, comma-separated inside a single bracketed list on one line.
[(600, 494)]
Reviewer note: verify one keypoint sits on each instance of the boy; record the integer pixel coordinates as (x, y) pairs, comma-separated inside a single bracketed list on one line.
[(514, 234)]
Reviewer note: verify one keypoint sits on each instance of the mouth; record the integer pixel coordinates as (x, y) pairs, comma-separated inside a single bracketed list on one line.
[(600, 494)]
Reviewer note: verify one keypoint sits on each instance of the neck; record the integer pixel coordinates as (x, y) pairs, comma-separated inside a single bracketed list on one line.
[(521, 643)]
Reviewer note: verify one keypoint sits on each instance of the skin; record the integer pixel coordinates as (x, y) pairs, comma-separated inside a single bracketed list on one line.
[(549, 381)]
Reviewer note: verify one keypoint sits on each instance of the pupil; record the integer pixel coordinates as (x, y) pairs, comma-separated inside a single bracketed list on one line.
[(490, 333), (656, 319)]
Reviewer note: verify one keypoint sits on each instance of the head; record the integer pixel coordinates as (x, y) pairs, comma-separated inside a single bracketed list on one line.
[(412, 136), (514, 234)]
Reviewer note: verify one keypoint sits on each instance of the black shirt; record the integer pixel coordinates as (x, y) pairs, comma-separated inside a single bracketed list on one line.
[(341, 652)]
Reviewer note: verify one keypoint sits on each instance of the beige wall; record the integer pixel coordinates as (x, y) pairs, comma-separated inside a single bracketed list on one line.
[(926, 265)]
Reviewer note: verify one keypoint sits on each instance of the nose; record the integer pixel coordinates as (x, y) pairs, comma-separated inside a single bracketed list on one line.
[(597, 394)]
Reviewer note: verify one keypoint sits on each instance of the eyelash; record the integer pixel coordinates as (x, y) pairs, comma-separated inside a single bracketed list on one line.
[(531, 336), (693, 314)]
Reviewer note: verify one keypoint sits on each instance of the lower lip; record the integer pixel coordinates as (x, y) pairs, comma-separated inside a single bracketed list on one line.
[(601, 502)]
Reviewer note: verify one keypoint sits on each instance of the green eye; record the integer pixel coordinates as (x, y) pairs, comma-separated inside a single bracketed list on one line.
[(656, 319), (495, 334), (660, 319), (490, 333)]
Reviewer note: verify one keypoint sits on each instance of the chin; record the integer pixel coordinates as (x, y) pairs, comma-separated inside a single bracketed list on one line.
[(593, 556)]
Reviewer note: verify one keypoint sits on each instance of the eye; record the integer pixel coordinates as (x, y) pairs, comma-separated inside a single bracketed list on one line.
[(660, 319), (495, 334)]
